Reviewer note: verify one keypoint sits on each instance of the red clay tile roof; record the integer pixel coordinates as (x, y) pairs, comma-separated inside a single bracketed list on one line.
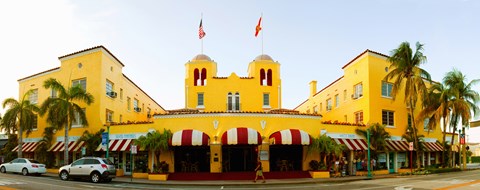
[(358, 56), (227, 77), (38, 74), (236, 112), (92, 49)]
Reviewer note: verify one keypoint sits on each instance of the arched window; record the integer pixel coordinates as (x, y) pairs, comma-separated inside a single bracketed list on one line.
[(269, 77), (229, 102), (262, 77), (237, 102), (204, 77), (196, 75)]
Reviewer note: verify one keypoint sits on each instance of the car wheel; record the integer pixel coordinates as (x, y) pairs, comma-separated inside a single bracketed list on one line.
[(24, 171), (64, 175), (3, 170), (95, 177)]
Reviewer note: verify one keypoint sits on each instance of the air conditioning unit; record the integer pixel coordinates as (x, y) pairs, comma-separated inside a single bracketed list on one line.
[(112, 94), (138, 109)]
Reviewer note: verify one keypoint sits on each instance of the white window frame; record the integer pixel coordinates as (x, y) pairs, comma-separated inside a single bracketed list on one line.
[(35, 123), (108, 86), (358, 119), (358, 91), (33, 97), (200, 100), (53, 93), (78, 123), (388, 89), (81, 82), (329, 104), (337, 100), (109, 115), (266, 100), (388, 119)]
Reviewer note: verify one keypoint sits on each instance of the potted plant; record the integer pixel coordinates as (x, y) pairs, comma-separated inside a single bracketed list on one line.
[(157, 143)]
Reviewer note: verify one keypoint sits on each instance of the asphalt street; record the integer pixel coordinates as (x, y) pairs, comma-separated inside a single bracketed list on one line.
[(456, 180)]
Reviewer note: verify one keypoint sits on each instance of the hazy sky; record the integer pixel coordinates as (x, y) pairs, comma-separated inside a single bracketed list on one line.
[(311, 39)]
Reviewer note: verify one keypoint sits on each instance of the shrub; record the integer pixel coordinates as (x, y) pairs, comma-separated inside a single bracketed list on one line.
[(475, 159)]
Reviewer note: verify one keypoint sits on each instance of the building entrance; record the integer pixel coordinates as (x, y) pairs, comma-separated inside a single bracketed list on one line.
[(286, 157), (239, 158), (192, 159)]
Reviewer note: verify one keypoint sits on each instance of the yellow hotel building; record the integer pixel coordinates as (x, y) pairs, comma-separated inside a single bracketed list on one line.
[(230, 122)]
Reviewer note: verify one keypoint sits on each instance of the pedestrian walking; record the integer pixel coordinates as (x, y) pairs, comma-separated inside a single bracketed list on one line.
[(259, 171)]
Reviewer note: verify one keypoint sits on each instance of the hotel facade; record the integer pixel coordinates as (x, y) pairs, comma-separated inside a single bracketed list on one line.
[(228, 123)]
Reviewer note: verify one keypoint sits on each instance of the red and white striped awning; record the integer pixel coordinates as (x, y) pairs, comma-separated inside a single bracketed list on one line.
[(190, 137), (398, 146), (117, 145), (432, 147), (73, 146), (290, 137), (352, 144), (28, 147), (241, 136)]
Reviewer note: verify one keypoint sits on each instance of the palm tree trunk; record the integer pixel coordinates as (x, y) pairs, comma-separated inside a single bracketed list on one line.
[(444, 139), (453, 140), (453, 122), (415, 131), (65, 153), (20, 138)]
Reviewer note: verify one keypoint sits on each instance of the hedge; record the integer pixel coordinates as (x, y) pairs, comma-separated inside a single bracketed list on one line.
[(475, 159)]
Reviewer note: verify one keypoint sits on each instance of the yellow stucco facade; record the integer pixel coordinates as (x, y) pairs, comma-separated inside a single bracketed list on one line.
[(95, 66), (367, 70), (230, 111)]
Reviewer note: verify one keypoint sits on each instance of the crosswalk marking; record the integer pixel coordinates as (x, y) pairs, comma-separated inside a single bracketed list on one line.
[(9, 182)]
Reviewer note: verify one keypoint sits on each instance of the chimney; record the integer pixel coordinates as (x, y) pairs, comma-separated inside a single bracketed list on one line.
[(313, 88)]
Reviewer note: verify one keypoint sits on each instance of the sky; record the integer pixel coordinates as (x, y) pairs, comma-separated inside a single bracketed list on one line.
[(311, 40)]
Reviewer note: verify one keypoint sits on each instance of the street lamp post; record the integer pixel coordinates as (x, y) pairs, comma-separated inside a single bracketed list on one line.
[(369, 174)]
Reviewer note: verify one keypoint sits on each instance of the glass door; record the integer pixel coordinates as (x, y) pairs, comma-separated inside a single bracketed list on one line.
[(128, 164), (391, 163)]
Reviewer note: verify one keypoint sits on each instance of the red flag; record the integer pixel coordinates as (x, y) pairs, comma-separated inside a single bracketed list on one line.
[(258, 28), (201, 33)]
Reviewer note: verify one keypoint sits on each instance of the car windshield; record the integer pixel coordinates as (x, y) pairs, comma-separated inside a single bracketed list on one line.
[(107, 161), (34, 161)]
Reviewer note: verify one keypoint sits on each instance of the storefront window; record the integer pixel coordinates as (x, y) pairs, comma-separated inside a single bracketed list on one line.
[(402, 160), (141, 162), (381, 162)]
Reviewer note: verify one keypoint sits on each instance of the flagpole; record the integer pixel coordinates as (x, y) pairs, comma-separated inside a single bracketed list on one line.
[(201, 50), (261, 16)]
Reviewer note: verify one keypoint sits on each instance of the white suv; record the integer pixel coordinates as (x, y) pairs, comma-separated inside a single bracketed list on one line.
[(94, 168)]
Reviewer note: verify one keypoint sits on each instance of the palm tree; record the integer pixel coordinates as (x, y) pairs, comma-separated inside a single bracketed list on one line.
[(322, 144), (410, 137), (20, 117), (378, 136), (92, 140), (406, 74), (464, 100), (156, 142), (436, 107), (61, 110)]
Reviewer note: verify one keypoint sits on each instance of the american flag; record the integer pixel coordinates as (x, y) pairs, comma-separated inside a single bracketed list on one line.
[(201, 33)]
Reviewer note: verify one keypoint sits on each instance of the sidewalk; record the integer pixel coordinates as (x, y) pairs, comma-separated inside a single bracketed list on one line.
[(127, 179)]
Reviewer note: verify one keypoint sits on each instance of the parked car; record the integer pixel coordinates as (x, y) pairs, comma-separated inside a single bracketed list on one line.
[(95, 169), (24, 166)]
